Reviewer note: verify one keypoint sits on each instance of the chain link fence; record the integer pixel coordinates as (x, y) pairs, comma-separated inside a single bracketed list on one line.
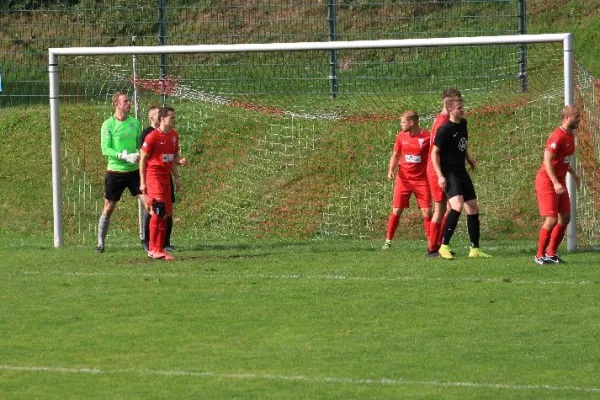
[(29, 27)]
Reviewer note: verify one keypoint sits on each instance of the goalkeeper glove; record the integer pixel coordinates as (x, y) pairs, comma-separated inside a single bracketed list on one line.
[(132, 158)]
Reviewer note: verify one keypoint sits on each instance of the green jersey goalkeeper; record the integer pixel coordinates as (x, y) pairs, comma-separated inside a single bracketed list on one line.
[(119, 139)]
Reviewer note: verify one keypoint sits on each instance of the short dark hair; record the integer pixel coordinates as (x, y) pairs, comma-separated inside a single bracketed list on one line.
[(449, 103), (164, 111), (451, 93)]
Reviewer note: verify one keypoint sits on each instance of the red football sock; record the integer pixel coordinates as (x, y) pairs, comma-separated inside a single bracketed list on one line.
[(543, 241), (558, 233), (160, 237), (154, 222), (434, 233), (439, 236), (427, 226), (392, 226)]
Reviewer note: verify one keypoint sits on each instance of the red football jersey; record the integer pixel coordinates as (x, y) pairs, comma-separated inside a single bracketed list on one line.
[(440, 120), (562, 145), (414, 152), (162, 149)]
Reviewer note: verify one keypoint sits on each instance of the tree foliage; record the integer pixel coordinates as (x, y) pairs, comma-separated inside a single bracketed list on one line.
[(17, 5)]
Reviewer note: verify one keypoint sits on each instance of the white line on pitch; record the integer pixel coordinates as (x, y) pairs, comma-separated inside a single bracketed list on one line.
[(476, 279), (301, 378)]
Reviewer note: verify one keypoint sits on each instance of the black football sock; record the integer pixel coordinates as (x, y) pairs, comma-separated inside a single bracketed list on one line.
[(146, 227), (473, 227), (169, 231), (450, 226)]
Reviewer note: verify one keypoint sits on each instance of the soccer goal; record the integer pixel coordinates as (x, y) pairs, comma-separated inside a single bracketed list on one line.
[(282, 143)]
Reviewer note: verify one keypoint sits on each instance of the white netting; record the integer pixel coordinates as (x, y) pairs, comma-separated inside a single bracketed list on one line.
[(274, 154)]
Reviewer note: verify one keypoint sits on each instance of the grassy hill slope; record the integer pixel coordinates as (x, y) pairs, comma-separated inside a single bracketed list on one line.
[(581, 17), (271, 175)]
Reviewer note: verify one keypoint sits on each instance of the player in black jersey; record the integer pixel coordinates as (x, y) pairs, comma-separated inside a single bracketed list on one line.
[(449, 154)]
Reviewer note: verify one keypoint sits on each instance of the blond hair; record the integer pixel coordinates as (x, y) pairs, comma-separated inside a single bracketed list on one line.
[(152, 108), (411, 115), (569, 111)]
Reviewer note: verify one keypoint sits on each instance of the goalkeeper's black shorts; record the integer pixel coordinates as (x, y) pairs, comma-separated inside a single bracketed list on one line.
[(115, 184)]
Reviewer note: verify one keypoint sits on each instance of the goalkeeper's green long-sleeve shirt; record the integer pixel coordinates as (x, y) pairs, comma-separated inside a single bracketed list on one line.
[(117, 136)]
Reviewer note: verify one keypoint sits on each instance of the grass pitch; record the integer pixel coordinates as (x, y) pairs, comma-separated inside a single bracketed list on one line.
[(296, 319)]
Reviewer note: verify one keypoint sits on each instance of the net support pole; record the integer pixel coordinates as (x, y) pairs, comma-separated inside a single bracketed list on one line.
[(523, 50), (162, 37), (569, 68), (333, 53), (55, 149), (136, 102)]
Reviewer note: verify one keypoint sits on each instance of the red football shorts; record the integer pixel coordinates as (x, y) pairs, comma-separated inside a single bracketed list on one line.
[(160, 188), (437, 193), (404, 188), (550, 203)]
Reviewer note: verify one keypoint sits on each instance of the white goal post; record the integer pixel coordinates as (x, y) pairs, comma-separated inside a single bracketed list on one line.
[(53, 69)]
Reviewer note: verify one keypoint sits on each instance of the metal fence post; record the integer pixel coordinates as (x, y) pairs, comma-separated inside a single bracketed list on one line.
[(523, 51), (332, 53), (162, 37)]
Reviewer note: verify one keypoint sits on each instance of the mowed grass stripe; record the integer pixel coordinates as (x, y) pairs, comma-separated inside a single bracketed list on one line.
[(352, 381), (184, 275)]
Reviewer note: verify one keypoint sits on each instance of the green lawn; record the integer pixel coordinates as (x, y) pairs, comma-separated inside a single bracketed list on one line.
[(283, 318), (296, 319)]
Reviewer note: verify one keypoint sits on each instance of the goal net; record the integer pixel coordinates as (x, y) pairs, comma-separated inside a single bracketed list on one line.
[(294, 140)]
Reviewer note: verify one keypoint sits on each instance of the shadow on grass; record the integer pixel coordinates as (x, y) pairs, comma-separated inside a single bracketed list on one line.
[(288, 245)]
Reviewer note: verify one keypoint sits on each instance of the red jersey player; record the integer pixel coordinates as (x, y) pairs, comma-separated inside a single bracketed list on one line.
[(550, 187), (434, 236), (157, 156), (410, 156)]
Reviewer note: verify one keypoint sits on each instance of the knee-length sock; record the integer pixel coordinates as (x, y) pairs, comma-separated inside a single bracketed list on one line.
[(392, 226), (450, 226), (103, 224), (474, 229), (169, 230), (427, 227), (543, 241), (556, 238)]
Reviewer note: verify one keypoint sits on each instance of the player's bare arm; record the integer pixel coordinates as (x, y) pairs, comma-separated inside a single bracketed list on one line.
[(178, 160), (176, 177), (435, 160), (558, 187), (472, 162), (393, 165)]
